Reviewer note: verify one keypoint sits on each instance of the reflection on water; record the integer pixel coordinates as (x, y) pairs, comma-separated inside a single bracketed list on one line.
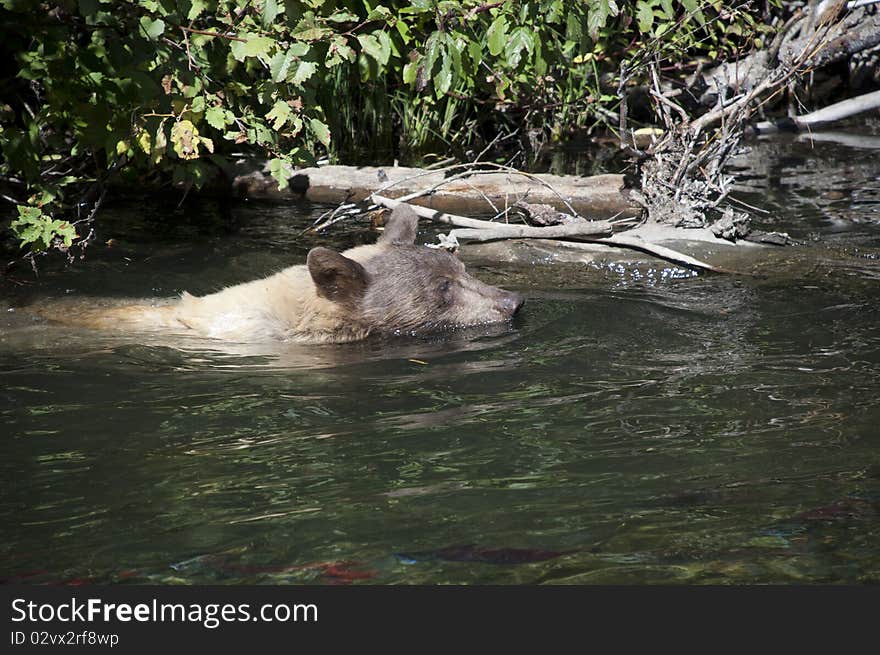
[(706, 430)]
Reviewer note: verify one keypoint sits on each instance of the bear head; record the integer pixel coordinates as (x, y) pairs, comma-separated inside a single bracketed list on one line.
[(397, 287)]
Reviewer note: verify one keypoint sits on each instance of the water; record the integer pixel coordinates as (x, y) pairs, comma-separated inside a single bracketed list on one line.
[(624, 429)]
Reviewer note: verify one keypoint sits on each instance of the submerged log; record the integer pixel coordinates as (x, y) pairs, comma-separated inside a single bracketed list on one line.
[(829, 114), (597, 196), (695, 248)]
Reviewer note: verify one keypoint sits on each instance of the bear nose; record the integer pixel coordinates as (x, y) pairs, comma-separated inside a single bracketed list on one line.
[(510, 303)]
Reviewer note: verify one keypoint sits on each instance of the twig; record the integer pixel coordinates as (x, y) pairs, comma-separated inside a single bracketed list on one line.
[(439, 164), (485, 197), (426, 212), (658, 95), (485, 7), (219, 35), (480, 230), (580, 230), (747, 205), (621, 93), (498, 138), (344, 209)]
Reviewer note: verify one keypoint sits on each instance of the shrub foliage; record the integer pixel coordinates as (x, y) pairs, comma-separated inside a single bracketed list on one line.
[(166, 90)]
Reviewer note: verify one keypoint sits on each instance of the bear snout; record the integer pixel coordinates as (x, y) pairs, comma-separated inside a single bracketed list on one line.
[(509, 303)]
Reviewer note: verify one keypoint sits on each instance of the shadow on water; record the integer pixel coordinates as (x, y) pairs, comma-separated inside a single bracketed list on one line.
[(621, 430)]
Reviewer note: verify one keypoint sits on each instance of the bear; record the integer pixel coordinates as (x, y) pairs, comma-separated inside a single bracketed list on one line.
[(391, 287)]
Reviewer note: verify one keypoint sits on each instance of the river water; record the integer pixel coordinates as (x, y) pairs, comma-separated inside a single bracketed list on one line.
[(630, 426)]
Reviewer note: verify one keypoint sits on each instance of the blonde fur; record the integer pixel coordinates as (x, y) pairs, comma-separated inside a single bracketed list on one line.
[(392, 286)]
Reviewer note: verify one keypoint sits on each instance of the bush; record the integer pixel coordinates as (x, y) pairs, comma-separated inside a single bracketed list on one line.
[(165, 90)]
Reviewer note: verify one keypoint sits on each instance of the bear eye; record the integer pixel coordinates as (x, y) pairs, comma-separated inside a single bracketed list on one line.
[(445, 286)]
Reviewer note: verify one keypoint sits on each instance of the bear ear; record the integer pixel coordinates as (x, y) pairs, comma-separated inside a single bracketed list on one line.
[(401, 226), (336, 277)]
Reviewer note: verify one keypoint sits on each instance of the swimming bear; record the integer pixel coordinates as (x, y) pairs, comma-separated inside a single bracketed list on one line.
[(390, 287)]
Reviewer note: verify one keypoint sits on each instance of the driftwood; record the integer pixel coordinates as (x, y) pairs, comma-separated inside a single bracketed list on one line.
[(829, 114), (480, 230), (683, 179), (600, 232), (861, 141), (597, 196), (590, 230)]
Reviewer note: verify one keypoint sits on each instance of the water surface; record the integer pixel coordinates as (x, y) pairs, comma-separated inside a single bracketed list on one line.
[(630, 426)]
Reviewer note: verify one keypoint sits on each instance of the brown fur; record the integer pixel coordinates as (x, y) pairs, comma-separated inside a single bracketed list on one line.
[(390, 287)]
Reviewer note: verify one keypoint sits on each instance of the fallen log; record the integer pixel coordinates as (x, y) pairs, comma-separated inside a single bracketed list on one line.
[(479, 230), (859, 141), (829, 114), (597, 196), (602, 232), (591, 229)]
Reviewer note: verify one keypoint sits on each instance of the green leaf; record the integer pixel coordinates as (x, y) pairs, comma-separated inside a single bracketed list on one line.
[(378, 50), (338, 51), (281, 171), (153, 29), (497, 35), (216, 117), (597, 18), (419, 7), (693, 9), (475, 52), (38, 230), (279, 114), (143, 140), (321, 131), (342, 17), (432, 52), (409, 72), (645, 17), (573, 28), (521, 38), (185, 139), (453, 51), (443, 79), (309, 30), (254, 46), (304, 71), (270, 11), (380, 13), (300, 48), (196, 8), (387, 44), (65, 231), (160, 144), (280, 64)]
